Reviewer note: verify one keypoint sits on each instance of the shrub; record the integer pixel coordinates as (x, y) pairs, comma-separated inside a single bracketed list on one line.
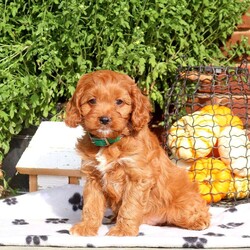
[(46, 45)]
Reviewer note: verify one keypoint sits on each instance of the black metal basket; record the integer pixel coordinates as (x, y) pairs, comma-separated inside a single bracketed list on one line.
[(207, 119)]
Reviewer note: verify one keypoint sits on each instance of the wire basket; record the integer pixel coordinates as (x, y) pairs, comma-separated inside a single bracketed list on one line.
[(207, 119)]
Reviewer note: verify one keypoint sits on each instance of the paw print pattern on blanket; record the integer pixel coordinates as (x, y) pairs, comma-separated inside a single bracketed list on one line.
[(231, 225), (231, 210), (194, 242), (90, 245), (56, 220), (19, 222), (35, 239), (11, 201), (63, 231), (76, 201), (214, 234)]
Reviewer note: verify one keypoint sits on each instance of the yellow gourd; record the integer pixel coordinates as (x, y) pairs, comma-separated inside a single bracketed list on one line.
[(224, 116), (181, 163), (233, 147), (213, 177), (193, 136), (239, 188)]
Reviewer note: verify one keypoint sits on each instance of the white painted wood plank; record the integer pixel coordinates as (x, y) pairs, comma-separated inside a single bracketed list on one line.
[(49, 158)]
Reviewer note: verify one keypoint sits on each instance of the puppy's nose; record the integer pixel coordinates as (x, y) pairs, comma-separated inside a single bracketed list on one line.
[(104, 120)]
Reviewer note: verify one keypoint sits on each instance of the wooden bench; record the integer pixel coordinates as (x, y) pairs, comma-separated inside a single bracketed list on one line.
[(51, 152)]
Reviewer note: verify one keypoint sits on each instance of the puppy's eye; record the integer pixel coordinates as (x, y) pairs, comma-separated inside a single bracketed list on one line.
[(92, 101), (118, 102)]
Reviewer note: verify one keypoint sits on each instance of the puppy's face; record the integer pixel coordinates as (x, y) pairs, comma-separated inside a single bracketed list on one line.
[(107, 104), (105, 107)]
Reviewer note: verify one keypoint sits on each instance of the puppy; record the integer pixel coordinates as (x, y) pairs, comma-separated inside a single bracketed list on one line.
[(123, 163)]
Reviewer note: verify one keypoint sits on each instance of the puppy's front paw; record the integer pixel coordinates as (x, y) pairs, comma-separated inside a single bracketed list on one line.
[(198, 219), (118, 231), (83, 229), (202, 223)]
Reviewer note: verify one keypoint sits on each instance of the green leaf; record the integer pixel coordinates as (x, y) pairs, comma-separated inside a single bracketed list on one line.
[(12, 110), (46, 111), (4, 115), (142, 63), (35, 99), (152, 61)]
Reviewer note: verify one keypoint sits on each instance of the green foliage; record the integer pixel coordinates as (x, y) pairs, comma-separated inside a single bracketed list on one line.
[(5, 189), (45, 45)]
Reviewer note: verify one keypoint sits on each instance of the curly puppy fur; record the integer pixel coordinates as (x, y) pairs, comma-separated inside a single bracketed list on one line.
[(133, 176)]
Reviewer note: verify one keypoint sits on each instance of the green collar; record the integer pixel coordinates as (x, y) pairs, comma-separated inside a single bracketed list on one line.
[(103, 142)]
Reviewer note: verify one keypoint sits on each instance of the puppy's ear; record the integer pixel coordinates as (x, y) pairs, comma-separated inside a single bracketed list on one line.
[(73, 116), (141, 109)]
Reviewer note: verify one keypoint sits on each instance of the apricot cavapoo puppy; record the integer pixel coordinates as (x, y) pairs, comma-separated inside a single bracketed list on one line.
[(123, 163)]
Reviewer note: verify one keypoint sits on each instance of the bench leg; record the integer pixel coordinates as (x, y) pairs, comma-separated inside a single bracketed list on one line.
[(73, 180), (33, 183)]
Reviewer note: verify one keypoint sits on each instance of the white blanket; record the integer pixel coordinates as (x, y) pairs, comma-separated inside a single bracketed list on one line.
[(44, 218)]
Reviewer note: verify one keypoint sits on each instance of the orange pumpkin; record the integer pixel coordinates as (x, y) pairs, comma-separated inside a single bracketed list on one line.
[(193, 136), (213, 177), (224, 116), (239, 188)]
